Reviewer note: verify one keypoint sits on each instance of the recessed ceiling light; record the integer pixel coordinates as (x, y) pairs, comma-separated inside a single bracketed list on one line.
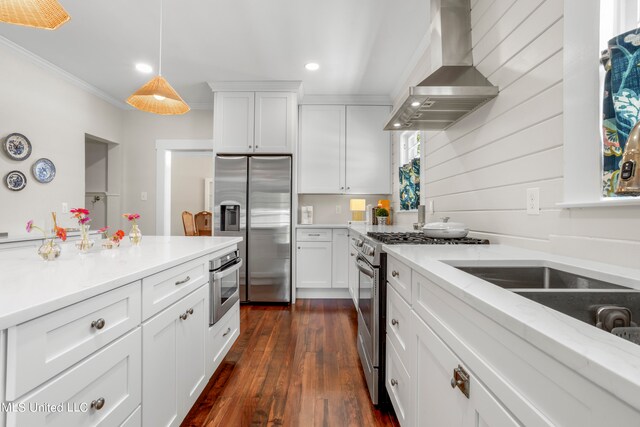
[(397, 125), (415, 104), (144, 68), (312, 66)]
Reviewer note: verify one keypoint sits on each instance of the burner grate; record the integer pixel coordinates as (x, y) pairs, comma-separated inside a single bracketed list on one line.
[(394, 238)]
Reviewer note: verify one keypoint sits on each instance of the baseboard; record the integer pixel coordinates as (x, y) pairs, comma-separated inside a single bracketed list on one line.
[(312, 293)]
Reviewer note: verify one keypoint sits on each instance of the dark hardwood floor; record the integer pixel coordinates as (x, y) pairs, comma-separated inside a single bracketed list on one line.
[(291, 366)]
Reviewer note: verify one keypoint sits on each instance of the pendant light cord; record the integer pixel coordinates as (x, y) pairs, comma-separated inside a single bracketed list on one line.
[(160, 56)]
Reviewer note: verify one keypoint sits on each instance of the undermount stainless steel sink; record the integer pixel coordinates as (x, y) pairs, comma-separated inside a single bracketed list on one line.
[(536, 278)]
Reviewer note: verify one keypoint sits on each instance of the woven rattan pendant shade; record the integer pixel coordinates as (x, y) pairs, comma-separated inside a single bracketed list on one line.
[(144, 99), (47, 14)]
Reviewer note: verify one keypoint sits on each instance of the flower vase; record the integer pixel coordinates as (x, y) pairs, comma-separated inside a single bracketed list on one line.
[(382, 220), (110, 244), (85, 244), (135, 235), (49, 250)]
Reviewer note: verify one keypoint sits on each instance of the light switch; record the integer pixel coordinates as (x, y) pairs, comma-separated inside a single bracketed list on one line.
[(143, 195), (65, 207), (338, 209)]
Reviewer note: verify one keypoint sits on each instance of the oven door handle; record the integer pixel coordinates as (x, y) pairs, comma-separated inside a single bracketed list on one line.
[(364, 268), (227, 271)]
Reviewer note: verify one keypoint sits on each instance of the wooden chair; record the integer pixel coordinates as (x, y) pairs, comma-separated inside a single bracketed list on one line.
[(189, 224), (203, 223)]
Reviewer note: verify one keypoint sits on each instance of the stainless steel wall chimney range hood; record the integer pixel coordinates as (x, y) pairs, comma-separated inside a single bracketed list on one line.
[(456, 87)]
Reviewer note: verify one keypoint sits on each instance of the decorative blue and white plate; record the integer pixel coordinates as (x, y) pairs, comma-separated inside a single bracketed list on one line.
[(17, 146), (15, 180), (43, 170)]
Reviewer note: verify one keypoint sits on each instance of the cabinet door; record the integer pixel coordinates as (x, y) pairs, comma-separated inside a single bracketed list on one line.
[(233, 114), (191, 342), (340, 255), (368, 154), (437, 403), (321, 150), (275, 121), (353, 274), (313, 269)]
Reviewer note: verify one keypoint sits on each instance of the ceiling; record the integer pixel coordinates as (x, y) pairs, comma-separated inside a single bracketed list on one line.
[(363, 46)]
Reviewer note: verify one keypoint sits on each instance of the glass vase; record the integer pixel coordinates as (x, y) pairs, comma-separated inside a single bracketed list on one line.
[(49, 250), (135, 235), (85, 244), (110, 244)]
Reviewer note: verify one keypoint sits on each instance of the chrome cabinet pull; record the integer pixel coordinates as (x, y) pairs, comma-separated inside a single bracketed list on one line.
[(394, 322), (97, 404), (226, 333), (183, 281), (394, 382), (395, 273), (98, 324), (461, 380)]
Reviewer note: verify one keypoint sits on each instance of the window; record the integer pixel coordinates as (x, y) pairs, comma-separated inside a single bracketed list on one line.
[(409, 172), (619, 83)]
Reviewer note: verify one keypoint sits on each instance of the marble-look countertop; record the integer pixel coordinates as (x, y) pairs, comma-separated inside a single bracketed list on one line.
[(37, 235), (31, 287), (608, 361), (344, 225), (364, 228)]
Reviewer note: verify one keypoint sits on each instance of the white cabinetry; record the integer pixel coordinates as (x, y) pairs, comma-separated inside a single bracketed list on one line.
[(340, 255), (353, 271), (174, 371), (254, 122), (313, 264), (343, 150)]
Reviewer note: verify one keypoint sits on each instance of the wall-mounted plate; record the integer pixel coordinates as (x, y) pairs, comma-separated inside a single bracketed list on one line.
[(15, 180), (17, 146), (43, 170)]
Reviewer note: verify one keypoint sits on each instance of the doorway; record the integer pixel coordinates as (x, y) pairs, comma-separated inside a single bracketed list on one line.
[(102, 181)]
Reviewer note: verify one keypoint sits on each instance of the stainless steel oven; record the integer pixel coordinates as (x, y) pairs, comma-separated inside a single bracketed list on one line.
[(224, 284)]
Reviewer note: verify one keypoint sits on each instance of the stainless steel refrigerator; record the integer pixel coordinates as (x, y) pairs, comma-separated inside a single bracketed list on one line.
[(252, 199)]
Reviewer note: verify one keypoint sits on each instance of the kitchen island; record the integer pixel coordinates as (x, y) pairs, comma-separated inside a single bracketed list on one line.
[(461, 349), (113, 337)]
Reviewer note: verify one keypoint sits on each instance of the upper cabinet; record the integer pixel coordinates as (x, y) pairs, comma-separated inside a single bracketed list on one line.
[(254, 122), (344, 150)]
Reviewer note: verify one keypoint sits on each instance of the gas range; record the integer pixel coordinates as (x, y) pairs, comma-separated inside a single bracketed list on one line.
[(421, 239)]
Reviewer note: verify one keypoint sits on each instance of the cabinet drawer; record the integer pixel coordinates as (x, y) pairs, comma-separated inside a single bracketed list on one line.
[(134, 420), (399, 276), (400, 387), (110, 378), (163, 289), (399, 327), (223, 335), (313, 235), (42, 348)]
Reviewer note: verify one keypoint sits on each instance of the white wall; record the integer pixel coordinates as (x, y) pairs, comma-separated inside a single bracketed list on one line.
[(55, 115), (188, 173), (478, 170), (141, 130), (324, 206)]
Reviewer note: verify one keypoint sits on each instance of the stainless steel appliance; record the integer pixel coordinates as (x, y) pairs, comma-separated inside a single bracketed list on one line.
[(252, 199), (224, 284), (371, 262)]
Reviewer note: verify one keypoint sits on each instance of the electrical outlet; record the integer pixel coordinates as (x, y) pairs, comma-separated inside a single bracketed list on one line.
[(533, 201), (338, 209), (65, 207), (143, 195)]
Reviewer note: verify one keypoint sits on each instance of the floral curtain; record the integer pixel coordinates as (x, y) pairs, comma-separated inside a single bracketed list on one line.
[(410, 185), (621, 102)]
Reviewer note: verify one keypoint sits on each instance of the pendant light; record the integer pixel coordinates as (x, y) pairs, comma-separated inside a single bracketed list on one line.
[(157, 96), (46, 14)]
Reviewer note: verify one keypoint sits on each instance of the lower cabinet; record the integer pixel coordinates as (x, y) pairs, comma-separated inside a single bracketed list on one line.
[(221, 337), (322, 260), (353, 274), (441, 387), (313, 265), (339, 264), (400, 386), (174, 364), (104, 389)]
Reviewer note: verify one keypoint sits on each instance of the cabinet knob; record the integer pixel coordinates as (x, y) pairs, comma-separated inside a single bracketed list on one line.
[(98, 324), (342, 188), (394, 322), (394, 382), (348, 188), (352, 254), (190, 311), (184, 316), (97, 404), (395, 273), (226, 333), (256, 146)]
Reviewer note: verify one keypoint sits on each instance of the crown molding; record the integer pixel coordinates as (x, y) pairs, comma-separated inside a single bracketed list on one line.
[(54, 69), (346, 100), (259, 86)]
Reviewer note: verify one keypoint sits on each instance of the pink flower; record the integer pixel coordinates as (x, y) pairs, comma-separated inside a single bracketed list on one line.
[(84, 220), (103, 229), (131, 217), (29, 225)]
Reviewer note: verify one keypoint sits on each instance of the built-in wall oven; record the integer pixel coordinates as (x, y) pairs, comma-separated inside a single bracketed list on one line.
[(372, 298), (224, 284)]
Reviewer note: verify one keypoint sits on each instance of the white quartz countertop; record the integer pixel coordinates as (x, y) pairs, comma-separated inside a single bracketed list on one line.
[(322, 226), (364, 228), (36, 235), (31, 287), (608, 361)]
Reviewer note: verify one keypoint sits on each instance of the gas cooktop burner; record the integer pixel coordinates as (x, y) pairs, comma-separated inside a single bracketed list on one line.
[(421, 239)]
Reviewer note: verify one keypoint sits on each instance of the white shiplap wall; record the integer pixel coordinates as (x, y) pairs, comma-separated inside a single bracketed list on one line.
[(478, 170)]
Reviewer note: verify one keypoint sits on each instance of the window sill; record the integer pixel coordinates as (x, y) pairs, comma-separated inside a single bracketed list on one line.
[(602, 203)]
